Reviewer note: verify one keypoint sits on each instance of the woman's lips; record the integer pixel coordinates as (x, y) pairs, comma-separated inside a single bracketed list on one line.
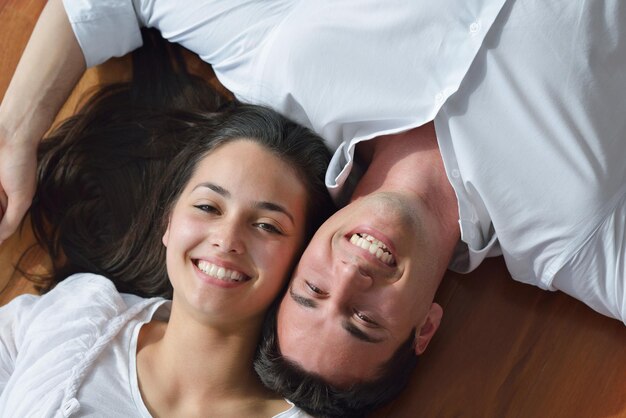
[(220, 275)]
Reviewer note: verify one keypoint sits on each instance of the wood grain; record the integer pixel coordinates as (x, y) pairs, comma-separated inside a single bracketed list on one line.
[(505, 349)]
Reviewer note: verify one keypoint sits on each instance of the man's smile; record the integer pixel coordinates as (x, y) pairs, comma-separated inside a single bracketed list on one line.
[(374, 246)]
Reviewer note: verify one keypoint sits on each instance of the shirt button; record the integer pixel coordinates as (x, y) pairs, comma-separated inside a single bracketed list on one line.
[(474, 27), (439, 97), (455, 173), (70, 407)]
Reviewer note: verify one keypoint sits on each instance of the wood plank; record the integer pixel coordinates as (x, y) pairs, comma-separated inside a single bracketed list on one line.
[(18, 19), (504, 349)]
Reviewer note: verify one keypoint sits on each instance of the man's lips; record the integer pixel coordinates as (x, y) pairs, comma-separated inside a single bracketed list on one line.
[(373, 244), (374, 247)]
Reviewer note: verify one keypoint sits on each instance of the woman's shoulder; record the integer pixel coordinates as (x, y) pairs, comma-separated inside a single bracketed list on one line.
[(82, 295), (98, 288), (85, 283), (293, 412), (83, 290), (53, 337), (74, 314)]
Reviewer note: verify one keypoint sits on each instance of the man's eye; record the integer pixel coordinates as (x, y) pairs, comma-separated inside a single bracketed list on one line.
[(364, 318), (315, 289)]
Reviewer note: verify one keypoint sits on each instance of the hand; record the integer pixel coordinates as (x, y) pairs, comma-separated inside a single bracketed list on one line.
[(18, 166), (49, 68)]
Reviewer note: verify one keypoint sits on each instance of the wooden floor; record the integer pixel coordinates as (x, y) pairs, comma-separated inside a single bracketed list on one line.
[(504, 349)]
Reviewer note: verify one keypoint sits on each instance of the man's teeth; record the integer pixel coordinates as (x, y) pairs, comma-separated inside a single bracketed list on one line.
[(374, 246), (220, 272)]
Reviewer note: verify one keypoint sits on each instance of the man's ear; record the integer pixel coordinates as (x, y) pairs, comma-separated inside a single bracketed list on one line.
[(424, 334)]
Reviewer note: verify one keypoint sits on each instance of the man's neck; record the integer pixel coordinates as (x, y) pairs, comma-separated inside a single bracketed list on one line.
[(410, 163)]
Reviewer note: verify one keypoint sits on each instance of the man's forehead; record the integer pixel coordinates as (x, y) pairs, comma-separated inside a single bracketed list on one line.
[(323, 347), (321, 355)]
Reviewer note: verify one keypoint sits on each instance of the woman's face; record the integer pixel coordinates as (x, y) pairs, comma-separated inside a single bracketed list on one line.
[(234, 233)]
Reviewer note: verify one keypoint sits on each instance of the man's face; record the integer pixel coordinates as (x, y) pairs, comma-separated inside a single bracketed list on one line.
[(360, 288)]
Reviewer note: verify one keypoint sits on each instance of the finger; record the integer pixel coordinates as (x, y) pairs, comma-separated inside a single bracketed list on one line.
[(3, 200), (1, 219), (3, 205)]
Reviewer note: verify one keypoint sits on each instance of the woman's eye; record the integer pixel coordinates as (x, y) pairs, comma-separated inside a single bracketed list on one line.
[(207, 208), (315, 289), (269, 228)]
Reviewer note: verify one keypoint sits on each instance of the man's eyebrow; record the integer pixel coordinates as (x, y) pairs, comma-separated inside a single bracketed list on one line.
[(348, 326), (357, 333), (301, 300)]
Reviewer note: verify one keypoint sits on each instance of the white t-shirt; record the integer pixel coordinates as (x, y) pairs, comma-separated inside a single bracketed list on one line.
[(73, 351), (527, 98)]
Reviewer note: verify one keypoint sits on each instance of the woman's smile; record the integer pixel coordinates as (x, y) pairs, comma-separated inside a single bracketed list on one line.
[(221, 273), (215, 274)]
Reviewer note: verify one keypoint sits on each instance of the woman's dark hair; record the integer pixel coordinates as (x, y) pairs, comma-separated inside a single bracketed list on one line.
[(109, 176)]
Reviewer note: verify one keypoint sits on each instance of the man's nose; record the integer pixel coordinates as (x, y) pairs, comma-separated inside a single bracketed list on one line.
[(352, 277), (228, 236)]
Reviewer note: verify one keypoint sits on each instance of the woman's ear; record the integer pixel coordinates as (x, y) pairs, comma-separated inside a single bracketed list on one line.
[(426, 332), (166, 235)]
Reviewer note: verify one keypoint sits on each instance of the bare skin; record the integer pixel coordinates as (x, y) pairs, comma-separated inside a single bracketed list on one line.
[(44, 78), (182, 375)]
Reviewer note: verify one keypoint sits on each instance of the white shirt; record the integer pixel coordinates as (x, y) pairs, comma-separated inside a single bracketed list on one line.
[(527, 100), (73, 351)]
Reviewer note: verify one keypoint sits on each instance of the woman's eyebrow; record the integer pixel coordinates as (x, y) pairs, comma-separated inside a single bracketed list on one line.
[(217, 189), (274, 207)]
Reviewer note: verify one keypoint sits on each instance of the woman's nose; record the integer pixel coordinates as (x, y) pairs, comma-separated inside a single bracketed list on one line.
[(228, 237)]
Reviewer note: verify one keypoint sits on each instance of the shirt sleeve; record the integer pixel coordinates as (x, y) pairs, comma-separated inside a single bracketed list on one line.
[(225, 33), (13, 317), (104, 29)]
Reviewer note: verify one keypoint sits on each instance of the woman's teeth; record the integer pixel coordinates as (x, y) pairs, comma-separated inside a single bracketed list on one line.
[(220, 273), (374, 246)]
